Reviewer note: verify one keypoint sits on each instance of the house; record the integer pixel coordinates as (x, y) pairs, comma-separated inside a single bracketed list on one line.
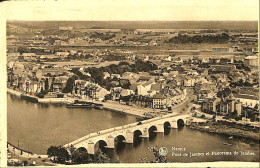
[(53, 71), (222, 106), (143, 88), (174, 73), (251, 61), (62, 54), (247, 100), (59, 83), (155, 88), (118, 76), (100, 93), (189, 81), (29, 56), (80, 87), (169, 58), (144, 78), (116, 93), (73, 52), (126, 92), (177, 60), (159, 101), (222, 49), (209, 104), (222, 68), (192, 72), (13, 54), (33, 86), (203, 94), (229, 105), (106, 75)]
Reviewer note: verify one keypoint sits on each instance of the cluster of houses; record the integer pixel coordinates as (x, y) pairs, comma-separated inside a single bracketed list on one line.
[(164, 87)]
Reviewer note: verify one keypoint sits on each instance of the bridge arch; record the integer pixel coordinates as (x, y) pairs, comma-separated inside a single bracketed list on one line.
[(151, 131), (82, 149), (167, 124), (180, 122), (136, 137), (152, 128), (120, 137), (137, 133), (100, 144)]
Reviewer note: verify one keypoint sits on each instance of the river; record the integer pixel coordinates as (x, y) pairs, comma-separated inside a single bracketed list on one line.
[(37, 126)]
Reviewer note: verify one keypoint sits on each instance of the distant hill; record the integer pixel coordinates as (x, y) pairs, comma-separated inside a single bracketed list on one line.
[(228, 25)]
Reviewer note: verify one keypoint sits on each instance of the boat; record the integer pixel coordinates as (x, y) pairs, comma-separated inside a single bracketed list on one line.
[(79, 104), (231, 137), (29, 97)]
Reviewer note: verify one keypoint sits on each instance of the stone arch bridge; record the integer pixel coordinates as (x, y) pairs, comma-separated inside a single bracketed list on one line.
[(127, 132)]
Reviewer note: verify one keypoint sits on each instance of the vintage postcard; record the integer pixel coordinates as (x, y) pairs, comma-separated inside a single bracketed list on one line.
[(134, 83)]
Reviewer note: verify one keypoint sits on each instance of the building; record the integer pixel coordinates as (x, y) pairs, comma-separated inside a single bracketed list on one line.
[(142, 89), (222, 49), (203, 94), (229, 105), (222, 106), (222, 68), (65, 28), (159, 101), (13, 54), (251, 61), (100, 93), (247, 100), (62, 54), (59, 83), (209, 104), (29, 56)]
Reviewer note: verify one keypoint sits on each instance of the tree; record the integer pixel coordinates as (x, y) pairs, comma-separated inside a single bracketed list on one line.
[(59, 153), (69, 85), (224, 93), (52, 151), (46, 84), (62, 155), (80, 157), (101, 157)]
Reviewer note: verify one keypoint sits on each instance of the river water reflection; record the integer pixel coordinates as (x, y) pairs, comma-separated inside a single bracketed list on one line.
[(37, 126)]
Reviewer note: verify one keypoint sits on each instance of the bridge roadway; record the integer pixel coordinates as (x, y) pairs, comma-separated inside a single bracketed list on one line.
[(127, 132)]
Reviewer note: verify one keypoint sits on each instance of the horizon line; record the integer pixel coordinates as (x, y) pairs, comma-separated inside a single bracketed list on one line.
[(138, 20)]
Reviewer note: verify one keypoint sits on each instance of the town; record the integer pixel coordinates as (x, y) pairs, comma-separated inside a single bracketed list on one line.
[(210, 73)]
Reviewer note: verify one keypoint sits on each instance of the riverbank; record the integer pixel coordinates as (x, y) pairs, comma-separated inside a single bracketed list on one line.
[(14, 92), (232, 130), (109, 105), (23, 153)]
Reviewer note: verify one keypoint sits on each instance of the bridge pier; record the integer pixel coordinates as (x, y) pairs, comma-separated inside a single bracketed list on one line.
[(110, 141), (174, 124), (160, 128), (145, 133), (91, 147), (129, 137)]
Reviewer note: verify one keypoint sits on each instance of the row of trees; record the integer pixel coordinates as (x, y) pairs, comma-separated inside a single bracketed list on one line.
[(76, 156), (223, 38), (81, 156), (143, 101)]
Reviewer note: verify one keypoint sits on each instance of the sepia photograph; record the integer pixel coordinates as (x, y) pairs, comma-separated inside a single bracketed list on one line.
[(114, 83)]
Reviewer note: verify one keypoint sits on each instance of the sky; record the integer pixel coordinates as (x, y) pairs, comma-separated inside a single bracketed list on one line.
[(132, 10)]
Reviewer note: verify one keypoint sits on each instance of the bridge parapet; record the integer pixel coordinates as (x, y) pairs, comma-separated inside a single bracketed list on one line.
[(127, 131)]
